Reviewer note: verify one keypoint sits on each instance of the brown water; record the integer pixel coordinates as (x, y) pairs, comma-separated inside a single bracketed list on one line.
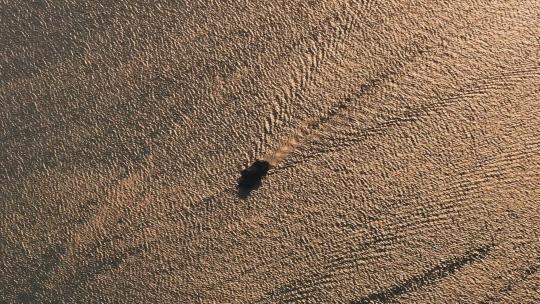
[(405, 139)]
